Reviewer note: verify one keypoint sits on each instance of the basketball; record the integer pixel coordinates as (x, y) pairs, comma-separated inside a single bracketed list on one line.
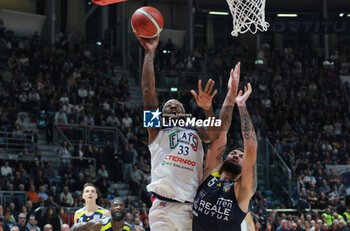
[(147, 22)]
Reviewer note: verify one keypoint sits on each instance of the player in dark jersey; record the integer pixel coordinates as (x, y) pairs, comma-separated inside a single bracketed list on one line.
[(114, 223), (91, 209), (224, 194)]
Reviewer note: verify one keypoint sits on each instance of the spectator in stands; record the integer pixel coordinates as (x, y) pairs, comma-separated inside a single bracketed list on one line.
[(112, 120), (341, 225), (309, 179), (89, 120), (103, 186), (50, 220), (137, 178), (128, 160), (102, 172), (61, 117), (64, 153), (6, 169), (65, 227), (8, 220), (18, 134), (332, 178), (42, 193), (116, 171), (22, 222), (66, 198), (30, 209), (22, 122), (127, 121), (325, 187), (90, 173), (48, 227), (79, 184), (138, 224), (32, 224), (14, 228), (33, 195)]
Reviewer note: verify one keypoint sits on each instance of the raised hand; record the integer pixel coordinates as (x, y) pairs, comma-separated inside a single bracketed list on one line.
[(204, 98), (233, 82), (242, 98), (148, 43)]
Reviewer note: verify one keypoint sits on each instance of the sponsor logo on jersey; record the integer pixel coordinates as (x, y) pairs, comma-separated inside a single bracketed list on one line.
[(227, 186), (220, 210), (179, 162), (185, 137)]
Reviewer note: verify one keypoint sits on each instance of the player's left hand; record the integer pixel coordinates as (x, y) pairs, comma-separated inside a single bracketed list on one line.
[(242, 98), (204, 97)]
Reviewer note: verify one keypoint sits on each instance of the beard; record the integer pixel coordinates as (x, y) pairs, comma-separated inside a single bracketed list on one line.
[(232, 168), (118, 216)]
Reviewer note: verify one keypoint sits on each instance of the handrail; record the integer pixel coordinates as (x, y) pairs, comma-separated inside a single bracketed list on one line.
[(285, 165), (12, 156), (78, 158), (15, 144), (278, 155), (63, 136), (87, 133), (4, 194)]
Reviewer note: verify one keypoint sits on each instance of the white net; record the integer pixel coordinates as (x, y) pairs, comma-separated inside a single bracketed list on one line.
[(248, 15)]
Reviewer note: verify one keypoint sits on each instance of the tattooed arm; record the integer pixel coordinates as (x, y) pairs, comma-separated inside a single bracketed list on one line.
[(246, 186), (217, 148), (150, 100)]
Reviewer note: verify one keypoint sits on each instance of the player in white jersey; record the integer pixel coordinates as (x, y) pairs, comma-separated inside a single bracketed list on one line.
[(176, 152)]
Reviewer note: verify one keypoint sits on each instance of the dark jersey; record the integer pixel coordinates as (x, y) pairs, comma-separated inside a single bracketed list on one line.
[(215, 206)]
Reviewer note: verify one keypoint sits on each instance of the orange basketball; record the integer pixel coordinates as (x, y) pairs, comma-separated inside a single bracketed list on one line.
[(147, 22)]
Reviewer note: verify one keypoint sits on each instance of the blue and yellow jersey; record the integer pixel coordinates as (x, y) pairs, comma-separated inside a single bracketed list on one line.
[(215, 206), (82, 217), (107, 225)]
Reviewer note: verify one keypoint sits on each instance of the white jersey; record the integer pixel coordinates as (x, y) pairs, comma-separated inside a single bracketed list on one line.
[(177, 163), (244, 226)]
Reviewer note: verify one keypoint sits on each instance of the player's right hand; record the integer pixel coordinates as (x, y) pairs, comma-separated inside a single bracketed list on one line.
[(150, 44), (233, 82)]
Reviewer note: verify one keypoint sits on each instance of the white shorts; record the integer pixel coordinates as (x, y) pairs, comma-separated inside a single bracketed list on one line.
[(170, 216)]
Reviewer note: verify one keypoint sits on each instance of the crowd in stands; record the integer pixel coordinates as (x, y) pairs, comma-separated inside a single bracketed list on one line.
[(297, 103)]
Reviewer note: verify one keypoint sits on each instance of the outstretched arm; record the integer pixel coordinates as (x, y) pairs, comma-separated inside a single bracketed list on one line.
[(150, 100), (217, 148), (246, 186), (204, 100), (93, 225)]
